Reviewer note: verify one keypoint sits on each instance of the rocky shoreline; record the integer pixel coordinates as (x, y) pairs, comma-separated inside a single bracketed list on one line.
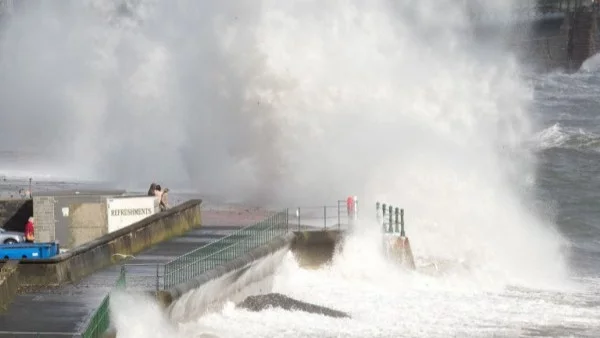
[(277, 300)]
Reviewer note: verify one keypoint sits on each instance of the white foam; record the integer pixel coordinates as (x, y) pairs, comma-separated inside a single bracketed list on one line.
[(150, 320), (385, 300), (389, 302)]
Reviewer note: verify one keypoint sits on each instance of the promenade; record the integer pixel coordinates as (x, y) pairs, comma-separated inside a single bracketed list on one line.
[(66, 310)]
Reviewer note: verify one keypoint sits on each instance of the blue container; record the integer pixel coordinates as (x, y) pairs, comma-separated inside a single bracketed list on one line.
[(29, 250)]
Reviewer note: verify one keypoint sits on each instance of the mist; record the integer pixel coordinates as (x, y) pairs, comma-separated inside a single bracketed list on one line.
[(256, 102), (132, 92), (293, 103)]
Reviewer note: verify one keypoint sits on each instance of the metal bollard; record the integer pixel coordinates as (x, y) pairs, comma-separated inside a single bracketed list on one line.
[(390, 214), (287, 220), (157, 278), (396, 221), (383, 209), (402, 222), (339, 215)]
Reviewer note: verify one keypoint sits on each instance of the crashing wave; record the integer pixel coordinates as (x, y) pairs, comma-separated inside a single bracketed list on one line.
[(557, 136)]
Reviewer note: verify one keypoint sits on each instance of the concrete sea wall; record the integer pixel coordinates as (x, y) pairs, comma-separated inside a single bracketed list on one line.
[(73, 265), (248, 275)]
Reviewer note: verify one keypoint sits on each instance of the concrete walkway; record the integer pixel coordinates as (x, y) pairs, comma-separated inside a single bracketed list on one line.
[(65, 311)]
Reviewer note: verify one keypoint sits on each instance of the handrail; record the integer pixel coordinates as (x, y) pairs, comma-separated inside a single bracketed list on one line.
[(100, 320), (341, 212), (198, 261), (214, 242), (188, 264)]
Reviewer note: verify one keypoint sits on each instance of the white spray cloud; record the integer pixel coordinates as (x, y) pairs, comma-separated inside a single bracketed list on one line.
[(281, 102)]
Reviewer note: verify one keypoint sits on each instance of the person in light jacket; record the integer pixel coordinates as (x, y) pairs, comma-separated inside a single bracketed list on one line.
[(164, 200)]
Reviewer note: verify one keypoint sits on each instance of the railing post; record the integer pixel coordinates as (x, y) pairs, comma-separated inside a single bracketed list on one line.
[(298, 216), (165, 278), (391, 214), (402, 222), (325, 216), (339, 215), (396, 221), (287, 220), (355, 216), (157, 279)]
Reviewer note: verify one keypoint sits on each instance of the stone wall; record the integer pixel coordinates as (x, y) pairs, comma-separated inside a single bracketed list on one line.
[(88, 222), (582, 26), (71, 219), (9, 283), (43, 212), (561, 42)]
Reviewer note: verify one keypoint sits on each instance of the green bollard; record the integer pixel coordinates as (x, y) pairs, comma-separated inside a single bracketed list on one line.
[(397, 213), (383, 210), (391, 225), (377, 215), (402, 223)]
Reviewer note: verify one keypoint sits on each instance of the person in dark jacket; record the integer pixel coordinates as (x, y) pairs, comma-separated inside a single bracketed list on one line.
[(151, 190)]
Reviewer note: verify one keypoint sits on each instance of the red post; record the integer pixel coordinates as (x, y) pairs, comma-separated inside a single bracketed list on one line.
[(350, 206)]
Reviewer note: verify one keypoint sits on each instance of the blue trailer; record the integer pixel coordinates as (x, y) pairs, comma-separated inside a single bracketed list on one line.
[(29, 250)]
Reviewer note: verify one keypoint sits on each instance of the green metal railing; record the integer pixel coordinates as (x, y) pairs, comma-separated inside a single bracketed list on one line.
[(326, 216), (162, 276), (212, 255), (122, 280), (390, 218), (100, 321)]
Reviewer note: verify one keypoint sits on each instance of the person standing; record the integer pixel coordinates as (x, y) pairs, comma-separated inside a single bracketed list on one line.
[(158, 191), (151, 191), (164, 201), (29, 231)]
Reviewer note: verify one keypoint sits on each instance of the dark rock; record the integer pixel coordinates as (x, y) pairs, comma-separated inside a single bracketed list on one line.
[(262, 302)]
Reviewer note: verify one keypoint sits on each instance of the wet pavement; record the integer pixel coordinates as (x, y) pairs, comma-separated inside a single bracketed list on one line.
[(66, 311)]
